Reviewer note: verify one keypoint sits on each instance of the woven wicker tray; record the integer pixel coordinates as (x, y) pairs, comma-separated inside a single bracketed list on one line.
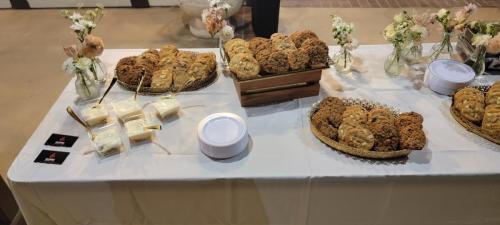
[(470, 126), (196, 85), (351, 150)]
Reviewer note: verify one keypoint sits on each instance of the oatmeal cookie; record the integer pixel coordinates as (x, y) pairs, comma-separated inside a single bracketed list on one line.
[(358, 137), (123, 67), (336, 104), (317, 52), (491, 120), (168, 50), (297, 59), (472, 111), (412, 137), (408, 118), (344, 127), (162, 79), (245, 66), (355, 114), (386, 136), (381, 114), (208, 58), (181, 75), (327, 129), (187, 57), (299, 37), (135, 73), (235, 41), (167, 62), (277, 62), (258, 44), (493, 94)]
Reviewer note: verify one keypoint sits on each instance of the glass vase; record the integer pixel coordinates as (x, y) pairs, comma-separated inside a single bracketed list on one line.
[(343, 60), (443, 49), (476, 61), (394, 64), (224, 60), (86, 86), (98, 70), (412, 53)]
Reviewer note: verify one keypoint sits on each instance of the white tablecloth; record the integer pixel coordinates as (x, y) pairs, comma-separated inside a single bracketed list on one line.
[(286, 177)]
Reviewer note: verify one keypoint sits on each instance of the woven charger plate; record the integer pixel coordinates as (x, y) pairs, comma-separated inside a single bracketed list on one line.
[(196, 85), (470, 126), (351, 150)]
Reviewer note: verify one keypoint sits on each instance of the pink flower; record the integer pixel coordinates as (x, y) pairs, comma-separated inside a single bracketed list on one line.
[(71, 51), (93, 46)]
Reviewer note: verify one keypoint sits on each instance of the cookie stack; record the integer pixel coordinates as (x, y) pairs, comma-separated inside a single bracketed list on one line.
[(477, 108), (377, 129), (277, 55), (167, 69)]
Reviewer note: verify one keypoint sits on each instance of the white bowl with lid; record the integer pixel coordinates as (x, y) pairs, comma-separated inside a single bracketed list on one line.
[(222, 135), (444, 76)]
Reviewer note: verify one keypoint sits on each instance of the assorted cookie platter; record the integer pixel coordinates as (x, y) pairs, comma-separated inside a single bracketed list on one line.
[(277, 69), (167, 70), (366, 129), (478, 110)]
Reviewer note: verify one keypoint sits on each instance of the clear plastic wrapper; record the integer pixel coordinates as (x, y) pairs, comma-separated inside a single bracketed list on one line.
[(107, 140)]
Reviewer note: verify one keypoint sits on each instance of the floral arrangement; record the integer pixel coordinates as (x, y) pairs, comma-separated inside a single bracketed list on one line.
[(405, 33), (214, 21), (450, 23), (341, 32), (486, 34), (457, 22), (83, 58)]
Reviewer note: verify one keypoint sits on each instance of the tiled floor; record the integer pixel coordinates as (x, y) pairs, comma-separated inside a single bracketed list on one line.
[(387, 3)]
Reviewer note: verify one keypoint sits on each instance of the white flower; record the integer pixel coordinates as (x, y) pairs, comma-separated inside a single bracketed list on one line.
[(442, 13), (481, 39), (225, 6), (422, 31), (214, 3), (83, 63), (227, 33), (398, 18), (88, 23), (389, 32), (69, 67), (77, 26), (75, 16)]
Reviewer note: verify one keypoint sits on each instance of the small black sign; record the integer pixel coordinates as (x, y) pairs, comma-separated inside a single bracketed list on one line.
[(51, 157), (61, 140)]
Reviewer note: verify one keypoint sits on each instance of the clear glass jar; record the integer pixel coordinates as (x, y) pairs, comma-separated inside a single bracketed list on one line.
[(85, 85), (394, 64), (412, 53), (98, 70), (443, 49), (343, 60)]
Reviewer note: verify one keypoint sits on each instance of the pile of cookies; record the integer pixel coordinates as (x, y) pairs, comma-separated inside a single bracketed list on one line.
[(479, 108), (169, 69), (277, 55), (375, 129)]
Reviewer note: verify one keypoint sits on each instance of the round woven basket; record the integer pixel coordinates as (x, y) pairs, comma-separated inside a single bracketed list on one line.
[(470, 126), (196, 85), (369, 154)]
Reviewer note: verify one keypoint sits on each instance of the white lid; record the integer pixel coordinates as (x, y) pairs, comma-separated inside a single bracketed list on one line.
[(445, 76), (222, 135)]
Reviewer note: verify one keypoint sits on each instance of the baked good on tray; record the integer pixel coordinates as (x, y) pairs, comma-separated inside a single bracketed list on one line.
[(480, 110), (279, 54), (368, 127), (168, 69)]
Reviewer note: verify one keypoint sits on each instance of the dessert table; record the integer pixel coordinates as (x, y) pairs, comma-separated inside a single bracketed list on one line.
[(286, 176)]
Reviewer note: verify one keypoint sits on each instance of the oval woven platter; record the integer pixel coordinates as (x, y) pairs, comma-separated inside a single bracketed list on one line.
[(470, 126), (369, 154), (196, 85)]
